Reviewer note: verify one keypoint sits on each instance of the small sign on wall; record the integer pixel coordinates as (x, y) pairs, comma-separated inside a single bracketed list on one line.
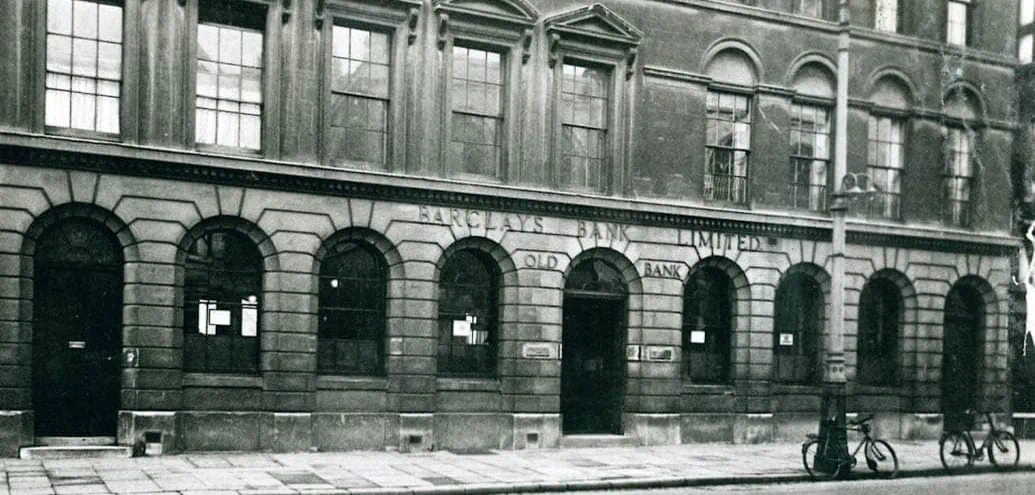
[(395, 346), (540, 350), (660, 353), (787, 339), (697, 336)]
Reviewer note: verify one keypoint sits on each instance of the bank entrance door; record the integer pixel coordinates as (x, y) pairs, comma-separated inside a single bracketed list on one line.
[(592, 364), (961, 354), (77, 331)]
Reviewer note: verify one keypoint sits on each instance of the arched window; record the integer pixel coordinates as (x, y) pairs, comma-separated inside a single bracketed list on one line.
[(353, 284), (888, 138), (880, 310), (221, 304), (797, 331), (707, 323), (728, 134), (467, 314)]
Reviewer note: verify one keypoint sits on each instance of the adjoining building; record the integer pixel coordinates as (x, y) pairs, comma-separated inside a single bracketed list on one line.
[(468, 224)]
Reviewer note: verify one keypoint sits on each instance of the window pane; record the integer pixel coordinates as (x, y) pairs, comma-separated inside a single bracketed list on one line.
[(1027, 12), (59, 54), (1024, 49), (208, 42), (59, 16), (84, 58), (84, 18), (251, 132), (107, 114), (110, 18), (84, 107), (205, 126), (109, 61), (230, 46), (251, 55), (58, 105)]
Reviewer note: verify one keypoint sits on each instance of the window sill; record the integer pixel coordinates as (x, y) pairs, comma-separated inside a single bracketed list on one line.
[(689, 388), (83, 134), (460, 384), (216, 149), (331, 382), (878, 390), (796, 389), (228, 380)]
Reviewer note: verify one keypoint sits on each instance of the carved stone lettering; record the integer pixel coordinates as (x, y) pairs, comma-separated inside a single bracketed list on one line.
[(603, 231), (720, 241), (479, 219), (541, 261), (662, 270)]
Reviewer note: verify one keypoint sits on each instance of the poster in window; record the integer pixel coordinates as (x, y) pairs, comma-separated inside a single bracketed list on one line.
[(787, 339), (218, 316), (461, 328), (697, 337)]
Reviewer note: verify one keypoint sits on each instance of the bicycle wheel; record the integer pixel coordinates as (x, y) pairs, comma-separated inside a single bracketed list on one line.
[(881, 459), (955, 451), (1004, 451), (810, 454)]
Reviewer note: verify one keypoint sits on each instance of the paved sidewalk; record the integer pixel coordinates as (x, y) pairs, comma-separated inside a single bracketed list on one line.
[(440, 472)]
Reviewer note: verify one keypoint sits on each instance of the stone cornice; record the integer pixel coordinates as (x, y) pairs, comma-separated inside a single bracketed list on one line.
[(193, 167)]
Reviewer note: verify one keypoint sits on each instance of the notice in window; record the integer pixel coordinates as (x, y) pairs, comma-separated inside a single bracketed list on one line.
[(697, 337), (461, 328), (218, 317), (786, 339)]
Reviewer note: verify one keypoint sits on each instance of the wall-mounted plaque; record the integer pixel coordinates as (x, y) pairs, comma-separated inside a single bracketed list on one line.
[(539, 350), (787, 339), (395, 346), (697, 336), (660, 353)]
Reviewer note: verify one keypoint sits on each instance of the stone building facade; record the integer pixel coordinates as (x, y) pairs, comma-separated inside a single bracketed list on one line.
[(470, 224)]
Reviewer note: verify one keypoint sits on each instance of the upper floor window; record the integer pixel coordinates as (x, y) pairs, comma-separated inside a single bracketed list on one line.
[(468, 314), (959, 173), (958, 22), (228, 107), (728, 145), (353, 284), (886, 16), (477, 94), (810, 155), (886, 159), (360, 96), (1027, 12), (592, 54), (1026, 31), (221, 293), (84, 65), (584, 105), (811, 8)]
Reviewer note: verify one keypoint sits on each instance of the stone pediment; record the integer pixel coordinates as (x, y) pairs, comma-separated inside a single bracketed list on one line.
[(511, 11), (595, 21)]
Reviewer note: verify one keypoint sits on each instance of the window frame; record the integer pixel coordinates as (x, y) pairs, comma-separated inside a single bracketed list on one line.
[(720, 89), (949, 173), (827, 106), (397, 19), (727, 307), (189, 301), (570, 44), (382, 309), (269, 126), (968, 19), (904, 118), (128, 72), (444, 365), (800, 376), (896, 6), (886, 357)]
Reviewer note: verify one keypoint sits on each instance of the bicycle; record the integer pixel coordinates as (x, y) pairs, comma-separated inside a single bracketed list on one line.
[(818, 459), (957, 451)]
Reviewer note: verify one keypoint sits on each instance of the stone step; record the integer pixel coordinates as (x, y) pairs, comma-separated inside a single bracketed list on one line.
[(75, 452), (597, 441), (67, 441)]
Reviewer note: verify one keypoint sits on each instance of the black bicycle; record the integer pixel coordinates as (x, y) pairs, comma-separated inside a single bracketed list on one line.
[(957, 451), (830, 459)]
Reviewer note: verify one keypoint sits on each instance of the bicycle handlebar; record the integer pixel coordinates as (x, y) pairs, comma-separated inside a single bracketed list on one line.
[(859, 421)]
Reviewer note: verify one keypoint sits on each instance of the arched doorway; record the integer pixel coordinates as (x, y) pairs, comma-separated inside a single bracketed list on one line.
[(77, 338), (592, 366), (961, 352)]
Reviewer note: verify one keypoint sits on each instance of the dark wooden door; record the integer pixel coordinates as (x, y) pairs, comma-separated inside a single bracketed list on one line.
[(77, 336), (592, 367)]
